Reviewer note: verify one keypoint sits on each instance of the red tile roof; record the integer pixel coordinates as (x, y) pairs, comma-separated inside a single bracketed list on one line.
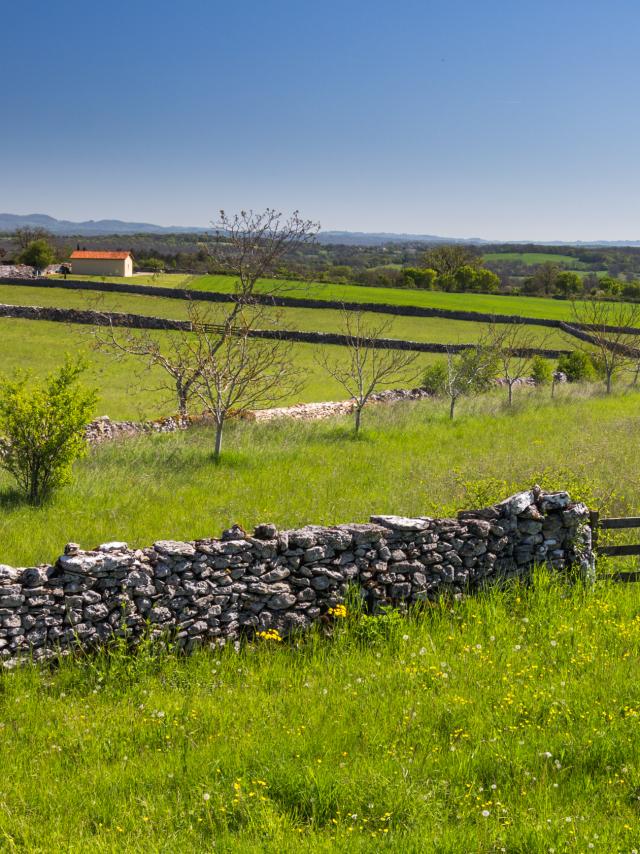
[(100, 256)]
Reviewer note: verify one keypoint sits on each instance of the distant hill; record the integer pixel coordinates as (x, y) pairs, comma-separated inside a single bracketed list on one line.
[(9, 222)]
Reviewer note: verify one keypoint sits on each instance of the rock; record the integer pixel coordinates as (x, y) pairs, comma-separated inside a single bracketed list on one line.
[(174, 548), (112, 547), (235, 532), (516, 503), (266, 531), (400, 523)]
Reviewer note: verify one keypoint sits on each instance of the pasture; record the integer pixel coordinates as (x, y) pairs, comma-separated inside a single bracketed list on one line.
[(507, 721), (486, 303), (128, 390), (532, 259), (410, 460)]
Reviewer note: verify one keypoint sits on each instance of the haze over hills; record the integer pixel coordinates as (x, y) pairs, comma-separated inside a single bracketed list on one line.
[(10, 222)]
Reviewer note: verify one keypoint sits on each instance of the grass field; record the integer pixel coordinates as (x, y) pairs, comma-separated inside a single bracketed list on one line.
[(432, 329), (533, 258), (490, 303), (508, 723), (505, 722), (411, 460), (126, 390)]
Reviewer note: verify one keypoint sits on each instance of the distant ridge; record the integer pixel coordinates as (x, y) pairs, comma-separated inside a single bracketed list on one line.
[(9, 222)]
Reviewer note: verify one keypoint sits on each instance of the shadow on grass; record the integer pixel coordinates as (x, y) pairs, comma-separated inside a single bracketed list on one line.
[(341, 433), (12, 498)]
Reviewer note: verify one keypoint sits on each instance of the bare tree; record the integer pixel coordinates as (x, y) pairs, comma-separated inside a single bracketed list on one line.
[(512, 344), (27, 234), (240, 372), (368, 368), (215, 353), (250, 245), (611, 330), (179, 354)]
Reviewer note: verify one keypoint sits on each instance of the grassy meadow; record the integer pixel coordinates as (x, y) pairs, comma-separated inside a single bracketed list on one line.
[(532, 259), (127, 390), (491, 303), (505, 722), (410, 460), (508, 722)]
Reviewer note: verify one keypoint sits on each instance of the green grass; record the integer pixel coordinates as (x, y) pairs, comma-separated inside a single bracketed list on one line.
[(126, 389), (507, 722), (431, 329), (531, 258), (411, 461), (489, 303)]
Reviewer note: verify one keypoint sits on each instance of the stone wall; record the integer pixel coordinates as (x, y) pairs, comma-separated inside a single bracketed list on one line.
[(143, 321), (214, 590)]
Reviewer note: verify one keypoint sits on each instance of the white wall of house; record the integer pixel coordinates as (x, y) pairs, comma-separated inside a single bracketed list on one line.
[(102, 266)]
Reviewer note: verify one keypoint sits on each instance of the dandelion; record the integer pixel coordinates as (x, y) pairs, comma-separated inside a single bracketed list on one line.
[(554, 643), (339, 612), (405, 637), (206, 796), (422, 651), (486, 813), (270, 635)]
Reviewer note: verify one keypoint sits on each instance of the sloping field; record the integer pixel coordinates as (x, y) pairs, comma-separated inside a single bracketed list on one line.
[(431, 329), (489, 303), (126, 390)]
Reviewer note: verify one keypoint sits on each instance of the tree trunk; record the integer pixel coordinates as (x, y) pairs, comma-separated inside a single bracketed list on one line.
[(609, 377), (182, 399), (553, 388), (218, 447), (510, 384), (358, 418), (452, 407)]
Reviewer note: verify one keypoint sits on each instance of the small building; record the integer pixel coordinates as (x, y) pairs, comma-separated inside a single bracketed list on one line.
[(87, 263)]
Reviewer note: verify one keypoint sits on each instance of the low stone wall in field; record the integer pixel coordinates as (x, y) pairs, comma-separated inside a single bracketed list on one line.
[(214, 590)]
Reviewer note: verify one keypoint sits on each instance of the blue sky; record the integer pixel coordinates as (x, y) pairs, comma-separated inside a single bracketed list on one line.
[(505, 120)]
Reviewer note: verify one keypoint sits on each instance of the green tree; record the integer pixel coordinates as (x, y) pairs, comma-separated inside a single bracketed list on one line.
[(416, 277), (466, 278), (577, 366), (611, 287), (487, 282), (38, 254), (541, 371), (42, 428), (568, 283), (468, 372), (449, 257), (434, 379)]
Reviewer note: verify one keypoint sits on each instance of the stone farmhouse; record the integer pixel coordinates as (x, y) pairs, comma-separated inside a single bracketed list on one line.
[(90, 263)]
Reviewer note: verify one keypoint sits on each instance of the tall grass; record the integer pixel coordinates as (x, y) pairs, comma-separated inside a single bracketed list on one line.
[(508, 722), (410, 460)]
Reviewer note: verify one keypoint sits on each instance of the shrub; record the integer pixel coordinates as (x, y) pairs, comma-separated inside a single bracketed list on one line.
[(541, 371), (578, 366), (435, 378), (38, 255), (42, 428)]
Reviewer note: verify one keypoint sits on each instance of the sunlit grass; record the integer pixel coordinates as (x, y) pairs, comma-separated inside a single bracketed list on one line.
[(410, 460), (506, 722)]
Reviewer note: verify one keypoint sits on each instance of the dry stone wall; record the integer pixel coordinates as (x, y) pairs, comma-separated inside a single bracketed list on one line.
[(211, 591)]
